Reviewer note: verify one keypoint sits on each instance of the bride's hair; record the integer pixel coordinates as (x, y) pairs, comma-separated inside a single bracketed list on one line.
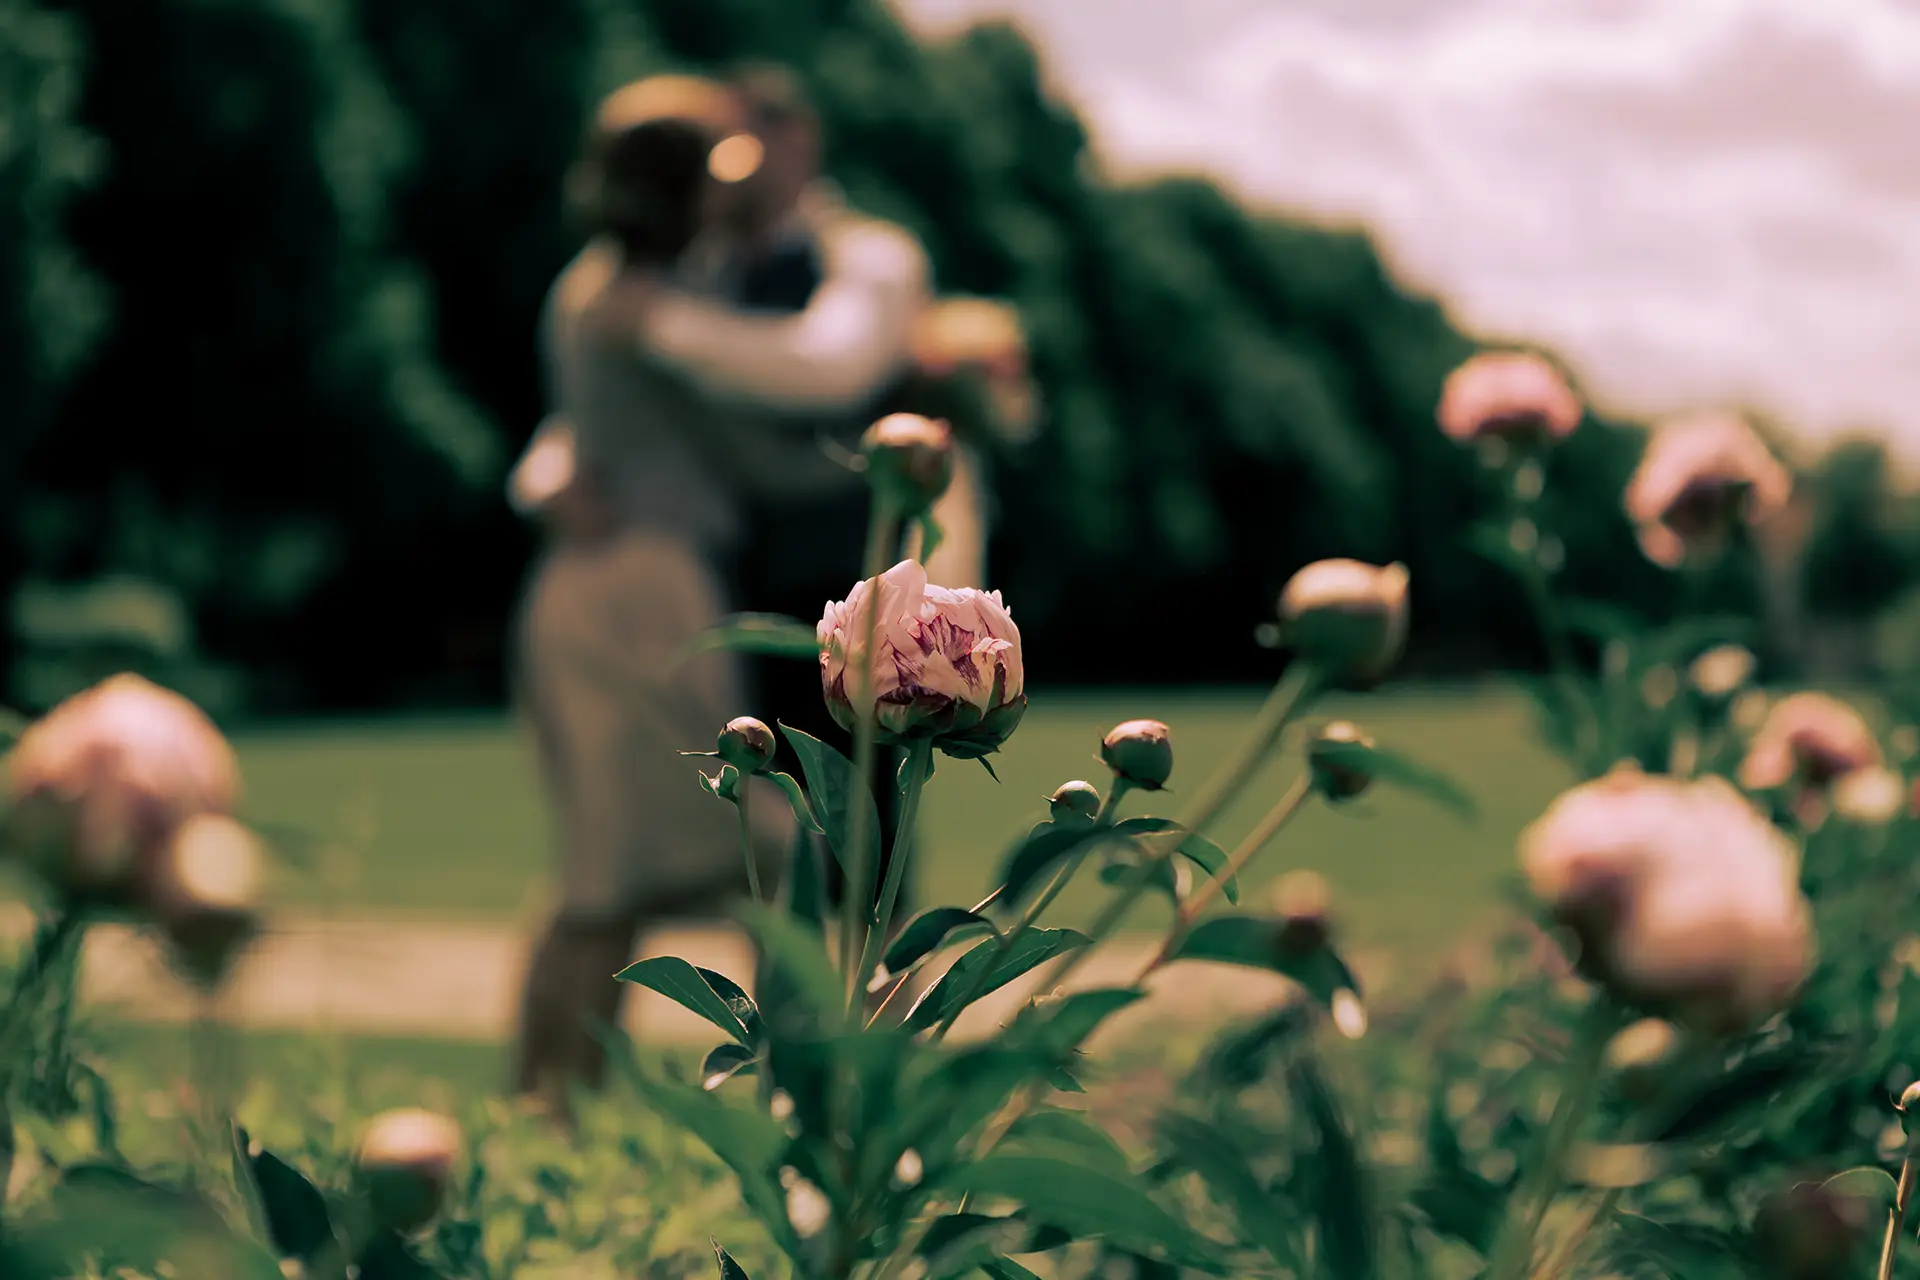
[(644, 170)]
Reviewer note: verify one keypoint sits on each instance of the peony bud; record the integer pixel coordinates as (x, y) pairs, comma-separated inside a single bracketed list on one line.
[(1304, 902), (1642, 1057), (909, 459), (1808, 741), (1140, 753), (747, 744), (1336, 773), (1512, 396), (100, 784), (405, 1164), (1347, 618), (1699, 476), (1909, 1105), (1870, 797), (204, 891), (1074, 804), (1721, 672)]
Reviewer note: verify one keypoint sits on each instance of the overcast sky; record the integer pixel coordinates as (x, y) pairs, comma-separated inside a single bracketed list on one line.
[(1694, 200)]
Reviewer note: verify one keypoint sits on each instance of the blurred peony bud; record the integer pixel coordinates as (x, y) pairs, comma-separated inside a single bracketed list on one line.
[(909, 459), (1303, 900), (1513, 396), (204, 893), (1870, 797), (1721, 672), (1682, 897), (405, 1164), (1699, 476), (1074, 803), (1347, 618), (946, 663), (1140, 753), (746, 744), (1808, 741), (1909, 1105), (1336, 771), (1810, 1232), (100, 784), (1642, 1057)]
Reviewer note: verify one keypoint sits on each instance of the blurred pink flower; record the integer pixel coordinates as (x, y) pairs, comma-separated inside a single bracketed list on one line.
[(945, 664), (1698, 474), (106, 778), (1507, 394), (1810, 737), (1684, 898)]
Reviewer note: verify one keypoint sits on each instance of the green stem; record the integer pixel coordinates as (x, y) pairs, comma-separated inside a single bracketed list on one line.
[(1289, 696), (1897, 1217), (919, 757), (883, 535), (1589, 730), (740, 796), (1545, 1170), (1270, 826), (1102, 821)]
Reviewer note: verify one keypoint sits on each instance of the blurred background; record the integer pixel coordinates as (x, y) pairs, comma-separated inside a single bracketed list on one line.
[(269, 274)]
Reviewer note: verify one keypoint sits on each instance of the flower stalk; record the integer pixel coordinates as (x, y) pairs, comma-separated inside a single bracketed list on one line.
[(919, 761), (883, 535)]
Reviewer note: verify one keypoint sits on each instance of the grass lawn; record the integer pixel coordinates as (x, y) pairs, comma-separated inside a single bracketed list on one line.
[(445, 817)]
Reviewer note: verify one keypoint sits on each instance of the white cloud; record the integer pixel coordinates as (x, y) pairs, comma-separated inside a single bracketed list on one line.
[(1696, 200)]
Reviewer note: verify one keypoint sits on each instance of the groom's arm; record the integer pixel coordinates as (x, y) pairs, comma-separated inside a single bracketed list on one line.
[(833, 355)]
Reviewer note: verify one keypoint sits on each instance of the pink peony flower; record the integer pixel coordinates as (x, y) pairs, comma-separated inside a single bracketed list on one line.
[(1684, 899), (1809, 741), (1507, 395), (945, 664), (1698, 475), (104, 781)]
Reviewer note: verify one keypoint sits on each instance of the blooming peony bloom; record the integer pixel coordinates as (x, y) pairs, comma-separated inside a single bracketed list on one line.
[(1809, 739), (1685, 900), (945, 664), (1507, 395), (1347, 617), (105, 779), (1698, 475)]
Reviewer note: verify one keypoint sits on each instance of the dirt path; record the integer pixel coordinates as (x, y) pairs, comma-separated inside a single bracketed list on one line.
[(435, 979)]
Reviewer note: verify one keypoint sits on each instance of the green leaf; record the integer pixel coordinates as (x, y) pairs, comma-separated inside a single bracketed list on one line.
[(1864, 1183), (1193, 846), (834, 791), (695, 989), (1602, 621), (729, 1269), (797, 799), (930, 534), (805, 890), (1342, 1201), (1240, 1056), (1041, 850), (748, 1142), (1086, 1202), (1163, 876), (928, 932), (253, 1206), (1007, 1269), (298, 1223), (1396, 770), (1255, 944), (768, 634), (725, 1061), (962, 984), (959, 1243), (1740, 1094), (1262, 1217), (12, 726), (1061, 1025), (797, 957), (1060, 1080), (1677, 1249), (1066, 1134), (1457, 1201)]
